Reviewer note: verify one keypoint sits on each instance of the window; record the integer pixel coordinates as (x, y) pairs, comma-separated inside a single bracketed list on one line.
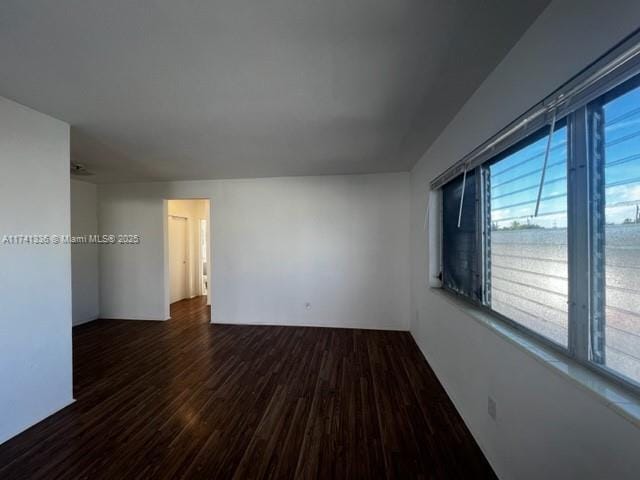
[(621, 186), (541, 224), (528, 258)]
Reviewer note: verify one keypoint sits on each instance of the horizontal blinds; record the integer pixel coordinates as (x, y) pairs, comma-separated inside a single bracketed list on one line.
[(459, 228), (612, 69)]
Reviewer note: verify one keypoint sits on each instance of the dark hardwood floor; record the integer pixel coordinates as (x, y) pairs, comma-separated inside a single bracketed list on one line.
[(187, 399)]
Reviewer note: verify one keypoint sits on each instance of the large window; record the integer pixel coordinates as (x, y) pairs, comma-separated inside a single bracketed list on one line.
[(542, 227)]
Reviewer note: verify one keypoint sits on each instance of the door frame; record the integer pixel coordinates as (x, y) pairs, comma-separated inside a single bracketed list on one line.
[(167, 274)]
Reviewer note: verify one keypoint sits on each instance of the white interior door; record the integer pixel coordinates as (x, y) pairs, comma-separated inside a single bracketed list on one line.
[(178, 257)]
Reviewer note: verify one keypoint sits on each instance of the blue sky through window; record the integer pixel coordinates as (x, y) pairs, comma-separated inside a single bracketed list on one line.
[(622, 157), (515, 181)]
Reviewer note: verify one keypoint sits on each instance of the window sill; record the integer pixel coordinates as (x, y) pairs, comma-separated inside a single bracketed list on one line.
[(617, 398)]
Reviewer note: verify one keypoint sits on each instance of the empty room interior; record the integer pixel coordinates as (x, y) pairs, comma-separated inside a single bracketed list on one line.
[(320, 240)]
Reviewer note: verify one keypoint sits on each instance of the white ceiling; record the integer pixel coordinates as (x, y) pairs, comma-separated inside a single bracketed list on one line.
[(203, 89)]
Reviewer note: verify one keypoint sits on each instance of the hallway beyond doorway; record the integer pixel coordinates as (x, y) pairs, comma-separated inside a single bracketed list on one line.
[(187, 237)]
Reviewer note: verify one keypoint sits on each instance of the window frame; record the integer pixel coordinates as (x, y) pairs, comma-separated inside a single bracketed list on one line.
[(585, 218)]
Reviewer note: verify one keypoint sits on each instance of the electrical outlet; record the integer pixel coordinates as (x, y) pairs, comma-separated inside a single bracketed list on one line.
[(307, 306), (491, 407)]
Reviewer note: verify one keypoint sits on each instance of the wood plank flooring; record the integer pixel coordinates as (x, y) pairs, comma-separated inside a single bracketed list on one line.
[(187, 399)]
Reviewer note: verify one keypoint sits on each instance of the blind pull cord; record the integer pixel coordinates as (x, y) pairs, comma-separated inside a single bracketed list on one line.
[(426, 213), (464, 185), (546, 160)]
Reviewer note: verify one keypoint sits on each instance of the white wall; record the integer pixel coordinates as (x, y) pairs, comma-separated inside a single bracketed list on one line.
[(84, 257), (547, 427), (35, 280), (132, 282), (340, 243)]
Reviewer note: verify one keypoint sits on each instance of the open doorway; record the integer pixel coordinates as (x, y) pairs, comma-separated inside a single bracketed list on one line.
[(188, 250)]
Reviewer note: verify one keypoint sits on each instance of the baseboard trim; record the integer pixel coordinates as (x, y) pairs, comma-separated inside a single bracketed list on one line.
[(313, 325), (91, 319), (144, 319), (32, 424)]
